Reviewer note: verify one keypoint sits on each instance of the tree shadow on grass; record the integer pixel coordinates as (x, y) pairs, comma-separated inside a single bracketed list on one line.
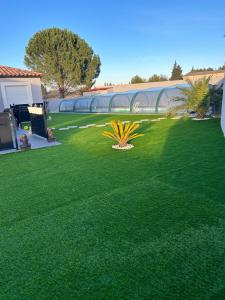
[(191, 178)]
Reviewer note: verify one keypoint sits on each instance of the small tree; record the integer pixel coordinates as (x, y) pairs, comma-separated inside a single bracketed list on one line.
[(123, 133), (156, 78), (65, 59), (196, 97), (137, 79), (176, 72)]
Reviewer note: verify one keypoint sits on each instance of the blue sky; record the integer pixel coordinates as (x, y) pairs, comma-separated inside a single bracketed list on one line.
[(131, 37)]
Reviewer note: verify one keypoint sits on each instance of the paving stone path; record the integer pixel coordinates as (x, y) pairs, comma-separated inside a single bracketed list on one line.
[(107, 124)]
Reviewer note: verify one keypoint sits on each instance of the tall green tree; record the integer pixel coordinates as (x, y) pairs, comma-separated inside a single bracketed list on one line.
[(176, 72), (137, 79), (65, 60), (156, 78)]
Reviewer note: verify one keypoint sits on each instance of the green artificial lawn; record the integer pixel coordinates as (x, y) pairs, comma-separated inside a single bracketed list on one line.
[(83, 221)]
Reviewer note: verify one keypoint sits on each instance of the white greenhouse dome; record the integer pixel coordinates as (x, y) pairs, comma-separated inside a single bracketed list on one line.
[(154, 100)]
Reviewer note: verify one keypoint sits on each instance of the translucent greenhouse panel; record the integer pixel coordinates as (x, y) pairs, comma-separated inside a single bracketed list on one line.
[(177, 94), (173, 95), (66, 106), (120, 103), (167, 99), (82, 105), (145, 102), (163, 102), (100, 104)]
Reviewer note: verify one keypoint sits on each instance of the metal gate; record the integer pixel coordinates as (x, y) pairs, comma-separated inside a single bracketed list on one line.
[(7, 136)]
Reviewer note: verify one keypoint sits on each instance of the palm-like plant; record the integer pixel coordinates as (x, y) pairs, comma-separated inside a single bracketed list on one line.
[(195, 97), (123, 133)]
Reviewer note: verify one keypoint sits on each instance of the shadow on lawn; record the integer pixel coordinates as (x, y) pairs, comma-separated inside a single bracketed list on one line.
[(196, 145), (189, 172), (194, 154)]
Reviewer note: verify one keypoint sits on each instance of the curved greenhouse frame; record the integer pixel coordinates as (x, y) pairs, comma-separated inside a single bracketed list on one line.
[(145, 101), (120, 103), (150, 101), (101, 103), (66, 106), (82, 104), (166, 99)]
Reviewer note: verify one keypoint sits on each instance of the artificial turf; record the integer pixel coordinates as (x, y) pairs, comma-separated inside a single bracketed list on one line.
[(83, 221)]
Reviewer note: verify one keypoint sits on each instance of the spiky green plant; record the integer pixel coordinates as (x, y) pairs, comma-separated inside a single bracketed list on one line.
[(123, 133), (195, 97)]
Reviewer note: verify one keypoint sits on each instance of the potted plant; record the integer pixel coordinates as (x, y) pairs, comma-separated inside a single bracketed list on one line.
[(122, 134), (25, 145), (50, 135)]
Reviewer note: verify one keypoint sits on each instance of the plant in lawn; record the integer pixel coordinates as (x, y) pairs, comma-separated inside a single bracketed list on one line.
[(195, 97), (123, 133)]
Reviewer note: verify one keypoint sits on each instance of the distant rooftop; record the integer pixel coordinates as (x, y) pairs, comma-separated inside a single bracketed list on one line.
[(204, 73), (95, 89), (7, 72)]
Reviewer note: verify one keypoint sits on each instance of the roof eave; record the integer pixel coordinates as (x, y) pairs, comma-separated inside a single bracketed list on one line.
[(20, 76)]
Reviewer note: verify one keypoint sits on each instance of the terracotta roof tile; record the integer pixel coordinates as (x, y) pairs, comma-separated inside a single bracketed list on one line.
[(6, 71)]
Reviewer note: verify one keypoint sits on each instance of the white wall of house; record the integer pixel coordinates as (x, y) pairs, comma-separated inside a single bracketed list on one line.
[(223, 112), (215, 79), (19, 91)]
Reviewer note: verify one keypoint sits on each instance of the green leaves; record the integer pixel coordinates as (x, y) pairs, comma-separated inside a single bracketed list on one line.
[(176, 72), (196, 96), (65, 59), (137, 79), (122, 133)]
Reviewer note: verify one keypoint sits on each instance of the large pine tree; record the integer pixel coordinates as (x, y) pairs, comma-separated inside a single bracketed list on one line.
[(65, 60), (176, 72)]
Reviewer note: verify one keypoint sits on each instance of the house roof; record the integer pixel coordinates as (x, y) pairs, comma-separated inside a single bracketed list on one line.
[(205, 73), (9, 72), (99, 89)]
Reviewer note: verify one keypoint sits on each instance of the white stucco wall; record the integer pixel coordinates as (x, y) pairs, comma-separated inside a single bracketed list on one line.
[(1, 102), (223, 112), (215, 79), (34, 83)]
